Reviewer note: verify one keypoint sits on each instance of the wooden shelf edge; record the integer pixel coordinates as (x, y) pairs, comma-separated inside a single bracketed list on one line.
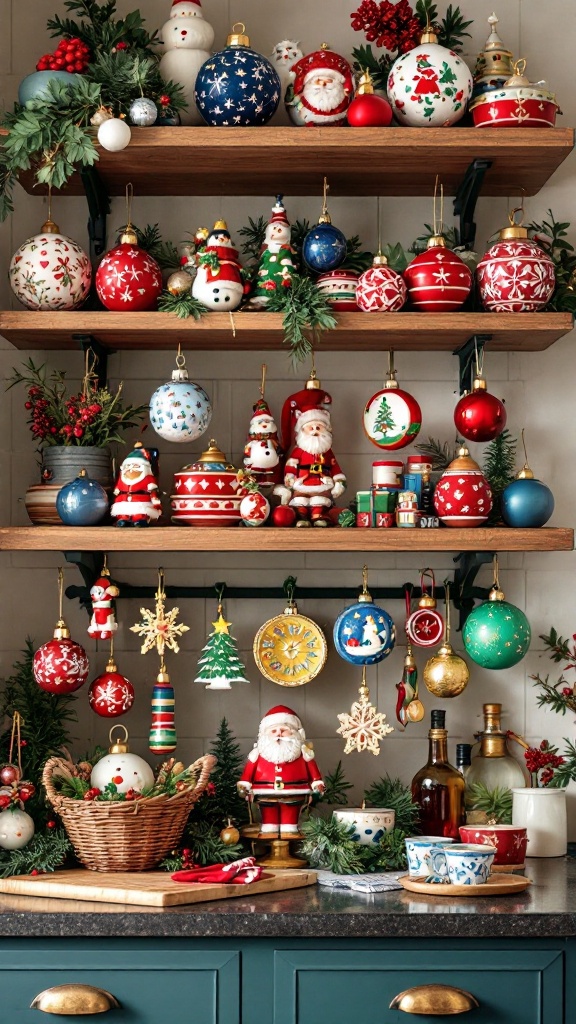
[(175, 538)]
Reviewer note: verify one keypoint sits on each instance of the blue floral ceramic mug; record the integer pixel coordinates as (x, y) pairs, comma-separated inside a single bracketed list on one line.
[(418, 849), (463, 863)]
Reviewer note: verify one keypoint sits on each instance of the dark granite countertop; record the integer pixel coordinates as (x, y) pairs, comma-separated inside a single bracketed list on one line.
[(546, 910)]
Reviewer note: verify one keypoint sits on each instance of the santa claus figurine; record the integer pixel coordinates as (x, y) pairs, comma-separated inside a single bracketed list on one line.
[(137, 498), (281, 773), (218, 283), (323, 89), (262, 452), (103, 623), (313, 480), (276, 267)]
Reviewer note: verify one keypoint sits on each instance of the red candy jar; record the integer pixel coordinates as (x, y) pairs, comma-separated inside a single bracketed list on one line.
[(380, 289), (128, 278), (438, 280), (111, 694), (463, 496), (207, 493), (515, 275)]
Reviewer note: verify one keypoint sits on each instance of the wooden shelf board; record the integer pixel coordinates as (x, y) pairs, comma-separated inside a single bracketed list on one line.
[(528, 332), (367, 161), (176, 538)]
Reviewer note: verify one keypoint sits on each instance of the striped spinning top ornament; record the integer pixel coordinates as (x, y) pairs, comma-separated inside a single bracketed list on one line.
[(160, 630)]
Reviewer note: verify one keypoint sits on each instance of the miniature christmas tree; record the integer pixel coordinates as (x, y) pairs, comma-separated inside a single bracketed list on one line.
[(225, 801), (384, 418), (498, 468), (220, 662)]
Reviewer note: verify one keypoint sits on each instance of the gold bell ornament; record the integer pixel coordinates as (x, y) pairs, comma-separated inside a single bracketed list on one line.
[(446, 674)]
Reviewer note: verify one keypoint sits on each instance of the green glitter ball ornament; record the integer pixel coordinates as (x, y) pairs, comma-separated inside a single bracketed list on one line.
[(496, 634)]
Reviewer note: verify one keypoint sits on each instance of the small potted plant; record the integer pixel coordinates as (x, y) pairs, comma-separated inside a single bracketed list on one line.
[(74, 431)]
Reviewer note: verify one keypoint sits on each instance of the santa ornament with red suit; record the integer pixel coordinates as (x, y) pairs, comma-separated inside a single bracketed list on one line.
[(313, 480), (136, 495), (323, 89), (218, 283), (103, 623), (281, 773)]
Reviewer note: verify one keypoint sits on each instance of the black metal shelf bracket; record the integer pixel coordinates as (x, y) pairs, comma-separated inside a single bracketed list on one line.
[(98, 210), (466, 198), (100, 363), (467, 360), (462, 591)]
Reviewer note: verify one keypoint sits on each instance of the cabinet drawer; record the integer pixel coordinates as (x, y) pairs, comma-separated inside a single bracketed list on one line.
[(152, 987), (512, 987)]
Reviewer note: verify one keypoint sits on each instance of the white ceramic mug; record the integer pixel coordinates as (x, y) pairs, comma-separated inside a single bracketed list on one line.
[(370, 823), (461, 863), (418, 852)]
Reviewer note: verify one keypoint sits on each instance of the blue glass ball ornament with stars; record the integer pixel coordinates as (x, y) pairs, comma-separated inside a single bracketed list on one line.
[(496, 634), (324, 247), (237, 87), (364, 633)]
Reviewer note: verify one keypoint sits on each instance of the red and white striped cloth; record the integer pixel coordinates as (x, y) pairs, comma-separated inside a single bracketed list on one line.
[(239, 872)]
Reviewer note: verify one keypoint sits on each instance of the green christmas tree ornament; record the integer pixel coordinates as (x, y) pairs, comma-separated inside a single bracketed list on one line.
[(220, 664), (496, 634)]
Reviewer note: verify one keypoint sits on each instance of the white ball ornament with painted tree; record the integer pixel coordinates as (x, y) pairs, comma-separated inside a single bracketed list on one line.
[(187, 40), (430, 85), (180, 410), (50, 271)]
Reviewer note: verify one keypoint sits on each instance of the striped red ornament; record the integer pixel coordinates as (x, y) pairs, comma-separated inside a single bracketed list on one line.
[(162, 738)]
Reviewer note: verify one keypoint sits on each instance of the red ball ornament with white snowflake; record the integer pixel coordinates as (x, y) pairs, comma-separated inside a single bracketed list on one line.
[(111, 694), (480, 416), (463, 496), (380, 289), (438, 280), (60, 665), (515, 275), (128, 278)]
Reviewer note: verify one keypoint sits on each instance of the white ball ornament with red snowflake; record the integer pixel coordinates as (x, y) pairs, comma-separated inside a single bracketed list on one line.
[(128, 278)]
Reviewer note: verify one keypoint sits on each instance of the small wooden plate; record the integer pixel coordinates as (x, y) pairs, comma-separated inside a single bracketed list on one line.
[(497, 885)]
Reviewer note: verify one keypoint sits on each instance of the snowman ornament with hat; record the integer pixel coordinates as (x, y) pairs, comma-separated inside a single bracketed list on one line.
[(218, 283), (136, 495), (187, 40), (281, 773), (323, 89), (262, 451)]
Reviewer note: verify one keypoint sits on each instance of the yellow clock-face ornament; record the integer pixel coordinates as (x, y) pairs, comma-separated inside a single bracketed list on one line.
[(290, 649)]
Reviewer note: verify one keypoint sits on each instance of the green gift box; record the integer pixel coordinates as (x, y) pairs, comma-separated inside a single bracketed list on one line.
[(385, 501), (363, 501)]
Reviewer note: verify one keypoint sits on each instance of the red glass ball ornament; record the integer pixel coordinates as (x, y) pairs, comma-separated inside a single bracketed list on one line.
[(515, 275), (369, 111), (9, 774), (128, 278), (111, 694), (480, 416), (380, 289), (438, 280), (392, 417), (60, 666), (463, 496), (283, 515)]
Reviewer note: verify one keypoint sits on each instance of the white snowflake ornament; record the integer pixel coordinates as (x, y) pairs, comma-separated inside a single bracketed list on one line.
[(364, 726)]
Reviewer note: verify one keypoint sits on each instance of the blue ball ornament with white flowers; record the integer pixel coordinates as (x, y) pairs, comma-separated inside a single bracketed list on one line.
[(237, 87)]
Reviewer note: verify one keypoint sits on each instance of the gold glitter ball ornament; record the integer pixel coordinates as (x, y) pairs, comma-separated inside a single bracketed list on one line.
[(446, 674), (179, 283)]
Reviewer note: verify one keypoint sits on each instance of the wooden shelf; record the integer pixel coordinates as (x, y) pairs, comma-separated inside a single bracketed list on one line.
[(425, 332), (367, 161), (176, 538)]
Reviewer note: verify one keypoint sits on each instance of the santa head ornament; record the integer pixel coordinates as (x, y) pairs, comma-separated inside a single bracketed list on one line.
[(262, 421), (281, 715), (302, 407), (323, 88)]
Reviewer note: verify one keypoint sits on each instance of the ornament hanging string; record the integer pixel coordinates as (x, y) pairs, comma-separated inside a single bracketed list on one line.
[(325, 192), (129, 198), (263, 380), (220, 589), (408, 588), (447, 606), (365, 591), (90, 379), (495, 567), (60, 597), (479, 354), (438, 224), (15, 737)]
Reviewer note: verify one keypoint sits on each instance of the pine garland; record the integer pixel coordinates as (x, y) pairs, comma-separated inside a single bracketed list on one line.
[(388, 792), (329, 844), (498, 468), (336, 787), (440, 453), (184, 306), (45, 852), (551, 236), (306, 315)]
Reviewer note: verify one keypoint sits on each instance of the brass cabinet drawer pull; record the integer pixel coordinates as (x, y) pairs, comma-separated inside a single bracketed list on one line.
[(440, 1000), (74, 1000)]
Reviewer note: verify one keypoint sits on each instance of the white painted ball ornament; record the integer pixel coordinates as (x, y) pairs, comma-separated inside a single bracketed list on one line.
[(16, 828), (50, 271), (180, 410), (143, 112), (380, 289), (114, 134), (430, 85), (127, 771)]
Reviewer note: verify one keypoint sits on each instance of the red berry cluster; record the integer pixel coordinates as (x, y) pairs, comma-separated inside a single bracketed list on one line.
[(16, 794), (81, 413), (91, 794), (392, 25), (541, 761), (70, 55)]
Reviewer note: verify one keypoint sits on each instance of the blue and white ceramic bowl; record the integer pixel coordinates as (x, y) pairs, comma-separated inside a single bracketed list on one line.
[(418, 850), (370, 823), (466, 863)]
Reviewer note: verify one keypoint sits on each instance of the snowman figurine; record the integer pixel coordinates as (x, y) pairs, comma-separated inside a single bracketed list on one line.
[(262, 452), (187, 39), (284, 56), (218, 283), (127, 771)]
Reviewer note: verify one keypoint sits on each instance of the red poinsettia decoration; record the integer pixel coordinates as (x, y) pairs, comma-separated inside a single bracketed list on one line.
[(390, 25)]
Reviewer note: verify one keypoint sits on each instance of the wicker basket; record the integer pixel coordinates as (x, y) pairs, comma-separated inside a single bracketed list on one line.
[(124, 836)]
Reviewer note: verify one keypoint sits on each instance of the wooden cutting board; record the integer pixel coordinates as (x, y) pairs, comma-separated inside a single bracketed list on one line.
[(145, 888)]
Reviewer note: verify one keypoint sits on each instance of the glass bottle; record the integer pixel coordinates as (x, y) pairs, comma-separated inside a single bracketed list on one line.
[(493, 766), (463, 757), (438, 788)]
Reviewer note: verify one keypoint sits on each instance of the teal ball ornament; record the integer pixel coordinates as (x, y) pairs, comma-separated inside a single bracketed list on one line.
[(526, 502), (82, 502), (496, 634), (33, 87)]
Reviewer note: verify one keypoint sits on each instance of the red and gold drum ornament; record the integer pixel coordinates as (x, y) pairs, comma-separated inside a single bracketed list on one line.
[(207, 492), (463, 496), (425, 626), (515, 275)]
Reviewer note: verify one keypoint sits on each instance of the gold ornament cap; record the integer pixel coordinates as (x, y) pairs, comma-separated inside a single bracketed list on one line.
[(238, 35), (129, 236), (163, 676), (365, 85), (479, 383), (118, 746), (61, 631), (513, 230), (496, 594), (111, 665), (50, 227), (428, 35), (312, 384), (212, 453), (525, 473), (463, 462), (427, 601), (380, 260), (436, 241)]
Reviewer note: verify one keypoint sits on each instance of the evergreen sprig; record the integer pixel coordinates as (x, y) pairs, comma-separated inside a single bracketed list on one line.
[(306, 313), (184, 306), (565, 772), (439, 452), (98, 28), (389, 792), (551, 236), (225, 802), (495, 803), (379, 67), (336, 787), (388, 854), (150, 238), (252, 235), (329, 844), (45, 852), (498, 468), (125, 75)]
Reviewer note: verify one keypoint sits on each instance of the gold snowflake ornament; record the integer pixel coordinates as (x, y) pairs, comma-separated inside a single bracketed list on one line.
[(159, 628), (364, 726)]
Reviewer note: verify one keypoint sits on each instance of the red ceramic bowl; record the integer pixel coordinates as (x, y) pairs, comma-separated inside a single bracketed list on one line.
[(515, 108), (510, 842)]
